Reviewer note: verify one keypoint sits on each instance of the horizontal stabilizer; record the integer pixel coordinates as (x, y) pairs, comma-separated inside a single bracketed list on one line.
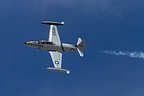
[(59, 70), (52, 23), (80, 52), (80, 46)]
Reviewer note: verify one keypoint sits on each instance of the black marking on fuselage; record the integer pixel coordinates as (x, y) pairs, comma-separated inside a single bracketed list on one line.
[(62, 48), (35, 45), (52, 50)]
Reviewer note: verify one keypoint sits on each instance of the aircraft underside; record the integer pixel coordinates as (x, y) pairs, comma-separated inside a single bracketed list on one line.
[(52, 47), (55, 47)]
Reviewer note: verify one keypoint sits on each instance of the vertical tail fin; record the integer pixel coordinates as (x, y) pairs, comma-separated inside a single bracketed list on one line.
[(80, 46)]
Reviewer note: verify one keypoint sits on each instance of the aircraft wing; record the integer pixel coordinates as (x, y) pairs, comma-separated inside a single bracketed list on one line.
[(53, 35), (56, 58)]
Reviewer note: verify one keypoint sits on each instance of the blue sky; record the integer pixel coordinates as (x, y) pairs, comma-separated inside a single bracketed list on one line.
[(115, 25)]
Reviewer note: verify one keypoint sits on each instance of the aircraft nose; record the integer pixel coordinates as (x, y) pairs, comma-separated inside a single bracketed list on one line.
[(25, 43)]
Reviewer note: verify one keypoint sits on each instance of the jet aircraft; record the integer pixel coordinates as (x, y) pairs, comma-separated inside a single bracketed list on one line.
[(55, 47)]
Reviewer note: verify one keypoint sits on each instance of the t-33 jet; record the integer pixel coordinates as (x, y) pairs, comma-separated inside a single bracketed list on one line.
[(55, 47)]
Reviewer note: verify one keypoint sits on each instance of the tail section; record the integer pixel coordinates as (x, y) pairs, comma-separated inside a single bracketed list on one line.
[(80, 46)]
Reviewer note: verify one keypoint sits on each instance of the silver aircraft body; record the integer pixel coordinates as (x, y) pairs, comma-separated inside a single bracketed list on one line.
[(55, 47)]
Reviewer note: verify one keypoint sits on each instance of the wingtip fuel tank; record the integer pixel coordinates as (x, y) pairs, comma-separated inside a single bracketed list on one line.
[(52, 23), (58, 70)]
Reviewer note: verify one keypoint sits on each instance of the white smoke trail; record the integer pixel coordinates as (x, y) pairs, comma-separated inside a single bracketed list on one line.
[(130, 54)]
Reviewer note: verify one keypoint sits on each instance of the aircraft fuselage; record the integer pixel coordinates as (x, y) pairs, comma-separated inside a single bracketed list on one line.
[(50, 46)]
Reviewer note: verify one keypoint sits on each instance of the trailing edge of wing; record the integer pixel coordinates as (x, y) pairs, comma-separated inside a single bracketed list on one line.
[(53, 23)]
